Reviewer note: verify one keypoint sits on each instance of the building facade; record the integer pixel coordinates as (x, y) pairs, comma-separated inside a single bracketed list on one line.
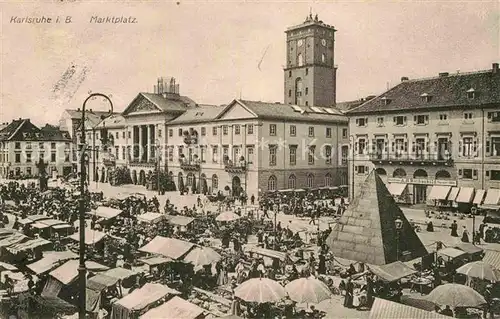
[(437, 131), (23, 145)]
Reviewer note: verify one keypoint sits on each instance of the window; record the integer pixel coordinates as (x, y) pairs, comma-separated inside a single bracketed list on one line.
[(443, 117), (361, 146), (179, 132), (345, 153), (41, 155), (203, 131), (310, 180), (171, 154), (307, 71), (129, 134), (117, 152), (328, 132), (328, 179), (399, 120), (272, 129), (271, 183), (421, 119), (180, 150), (293, 130), (124, 152), (117, 135), (28, 157), (293, 154), (323, 58), (289, 93), (170, 132), (344, 133), (215, 183), (17, 145), (203, 151), (467, 173), (250, 151), (468, 116), (311, 131), (361, 121), (225, 152), (53, 146), (250, 129), (41, 146), (468, 147), (215, 154), (224, 130), (237, 129), (123, 134), (311, 155), (272, 155), (328, 154), (292, 182), (300, 60), (28, 145), (471, 94), (380, 121), (494, 149), (289, 74), (307, 91), (53, 157), (494, 117), (495, 175), (360, 169), (214, 131)]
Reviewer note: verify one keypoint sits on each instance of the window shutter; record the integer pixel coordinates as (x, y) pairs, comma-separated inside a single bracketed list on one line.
[(386, 146), (357, 121), (356, 148), (474, 148), (427, 119), (488, 174), (413, 147), (406, 146), (393, 145), (366, 170), (405, 119), (374, 146), (460, 147), (415, 118), (488, 148), (474, 173), (490, 116), (356, 169), (460, 173), (394, 120), (366, 121)]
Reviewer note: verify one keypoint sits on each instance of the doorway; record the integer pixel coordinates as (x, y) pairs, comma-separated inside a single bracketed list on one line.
[(236, 186), (420, 194), (380, 148)]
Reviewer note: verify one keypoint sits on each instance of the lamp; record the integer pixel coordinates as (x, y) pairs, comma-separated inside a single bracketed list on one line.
[(398, 223)]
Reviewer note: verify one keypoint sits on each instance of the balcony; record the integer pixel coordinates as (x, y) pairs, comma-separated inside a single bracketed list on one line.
[(190, 137), (109, 162), (412, 159), (143, 163), (190, 166), (235, 168)]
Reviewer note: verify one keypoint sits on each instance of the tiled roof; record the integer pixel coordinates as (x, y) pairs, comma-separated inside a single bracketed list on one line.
[(24, 130), (198, 115), (442, 91), (279, 111), (114, 121), (385, 309), (8, 130), (366, 232), (349, 105), (77, 114), (172, 103)]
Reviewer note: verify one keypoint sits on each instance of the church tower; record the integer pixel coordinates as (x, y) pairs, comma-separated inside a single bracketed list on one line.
[(310, 72)]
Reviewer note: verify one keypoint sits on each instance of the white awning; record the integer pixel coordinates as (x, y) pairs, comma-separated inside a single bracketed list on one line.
[(465, 195), (439, 192), (478, 199), (453, 193), (396, 189), (492, 197)]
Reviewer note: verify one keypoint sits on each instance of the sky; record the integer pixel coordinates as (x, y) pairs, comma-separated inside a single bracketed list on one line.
[(213, 48)]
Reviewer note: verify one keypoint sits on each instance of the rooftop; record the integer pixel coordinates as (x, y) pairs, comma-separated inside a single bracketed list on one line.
[(198, 115), (310, 21), (474, 89), (24, 130)]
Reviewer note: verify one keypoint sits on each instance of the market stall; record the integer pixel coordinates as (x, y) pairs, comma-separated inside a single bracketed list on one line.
[(150, 218), (168, 247), (176, 308), (50, 260)]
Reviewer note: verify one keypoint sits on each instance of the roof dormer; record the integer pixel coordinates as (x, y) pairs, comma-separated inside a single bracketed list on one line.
[(386, 100), (471, 93), (426, 97)]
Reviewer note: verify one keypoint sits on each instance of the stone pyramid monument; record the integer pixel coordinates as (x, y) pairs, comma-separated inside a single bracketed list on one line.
[(367, 233)]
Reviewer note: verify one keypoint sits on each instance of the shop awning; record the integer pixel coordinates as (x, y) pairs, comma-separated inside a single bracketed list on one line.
[(50, 260), (167, 247), (478, 199), (141, 298), (492, 257), (439, 192), (385, 309), (175, 308), (13, 239), (392, 272), (451, 252), (68, 271), (105, 212), (396, 189), (453, 194), (154, 261), (92, 236), (267, 253), (179, 220), (492, 197), (150, 217), (469, 248), (465, 195)]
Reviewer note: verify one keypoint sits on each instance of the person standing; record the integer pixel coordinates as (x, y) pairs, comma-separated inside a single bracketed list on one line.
[(454, 229), (465, 235), (349, 294)]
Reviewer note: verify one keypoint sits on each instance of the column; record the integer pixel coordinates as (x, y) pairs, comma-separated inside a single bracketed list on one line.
[(152, 141), (140, 146), (148, 143)]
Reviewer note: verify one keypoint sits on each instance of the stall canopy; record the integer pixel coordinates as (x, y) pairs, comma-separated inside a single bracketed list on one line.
[(266, 252), (143, 297), (451, 252), (92, 236), (179, 220), (396, 189), (392, 272), (478, 199), (465, 195), (68, 272), (50, 260), (30, 244), (46, 223), (109, 278), (385, 309), (36, 218), (150, 217), (120, 273), (439, 192), (154, 261), (492, 258), (492, 197), (13, 239), (105, 212), (168, 247), (175, 308), (469, 248), (453, 194)]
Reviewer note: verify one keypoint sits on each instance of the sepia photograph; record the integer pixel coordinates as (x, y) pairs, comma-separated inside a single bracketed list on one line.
[(249, 159)]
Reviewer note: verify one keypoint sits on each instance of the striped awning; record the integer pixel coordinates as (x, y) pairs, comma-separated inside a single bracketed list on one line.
[(478, 199), (385, 309), (492, 257), (396, 189), (453, 193), (465, 195), (492, 197), (439, 192)]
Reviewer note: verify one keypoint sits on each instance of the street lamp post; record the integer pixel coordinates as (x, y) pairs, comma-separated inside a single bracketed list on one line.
[(158, 149), (82, 269), (473, 212), (399, 225)]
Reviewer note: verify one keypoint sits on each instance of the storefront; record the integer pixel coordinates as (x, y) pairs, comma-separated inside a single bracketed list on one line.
[(419, 190)]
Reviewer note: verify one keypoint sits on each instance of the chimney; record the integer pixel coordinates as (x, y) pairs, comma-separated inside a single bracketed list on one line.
[(404, 79), (443, 74), (78, 109), (495, 68)]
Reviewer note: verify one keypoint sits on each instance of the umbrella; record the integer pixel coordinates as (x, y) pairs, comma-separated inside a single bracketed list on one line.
[(260, 290), (308, 290), (481, 270), (227, 217), (200, 256), (455, 295)]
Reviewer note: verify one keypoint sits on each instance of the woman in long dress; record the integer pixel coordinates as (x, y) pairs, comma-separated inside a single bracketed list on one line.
[(223, 278), (465, 236), (454, 229)]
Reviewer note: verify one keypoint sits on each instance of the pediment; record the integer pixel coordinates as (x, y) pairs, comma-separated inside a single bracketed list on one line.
[(141, 105), (235, 111)]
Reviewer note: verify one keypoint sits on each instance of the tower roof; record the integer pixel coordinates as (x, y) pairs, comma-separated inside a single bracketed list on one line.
[(310, 21), (367, 233)]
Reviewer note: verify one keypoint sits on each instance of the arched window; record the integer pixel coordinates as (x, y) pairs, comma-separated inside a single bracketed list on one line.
[(271, 183), (399, 172), (323, 58), (292, 181), (298, 91), (443, 175), (215, 183), (381, 171), (343, 178), (189, 181), (328, 154), (420, 173), (328, 179), (310, 180), (300, 59)]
